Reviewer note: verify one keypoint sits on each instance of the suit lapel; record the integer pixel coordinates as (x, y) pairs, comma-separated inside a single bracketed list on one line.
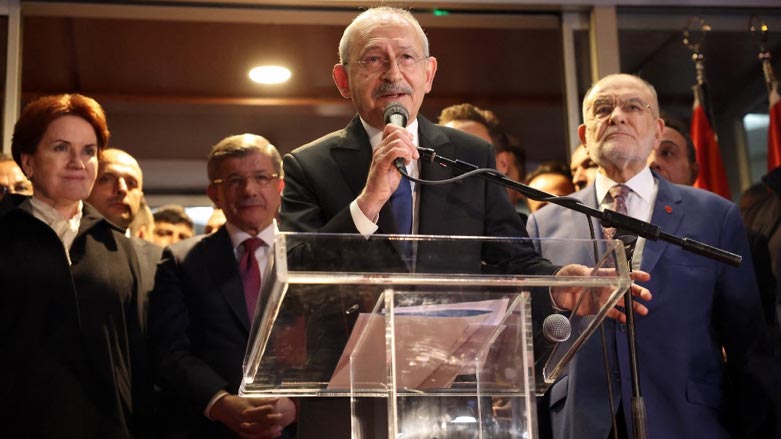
[(588, 197), (353, 157), (668, 214), (429, 136), (223, 275)]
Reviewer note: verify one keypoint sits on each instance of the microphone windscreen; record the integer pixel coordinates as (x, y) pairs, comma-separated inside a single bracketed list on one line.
[(396, 114), (556, 328)]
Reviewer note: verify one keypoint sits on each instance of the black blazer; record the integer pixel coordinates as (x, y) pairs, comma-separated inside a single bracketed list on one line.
[(322, 179), (67, 332), (198, 327), (325, 176)]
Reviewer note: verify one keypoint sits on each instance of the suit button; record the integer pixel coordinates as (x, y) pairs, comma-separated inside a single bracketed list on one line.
[(622, 327), (616, 376)]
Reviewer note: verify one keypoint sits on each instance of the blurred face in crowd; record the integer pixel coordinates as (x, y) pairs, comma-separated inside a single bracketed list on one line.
[(64, 164), (552, 183), (471, 127), (118, 189), (216, 220), (622, 125), (166, 233), (248, 190), (12, 180), (386, 63), (583, 169), (670, 158)]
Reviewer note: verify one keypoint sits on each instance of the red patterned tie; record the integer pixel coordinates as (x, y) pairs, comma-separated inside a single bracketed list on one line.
[(250, 274), (618, 193)]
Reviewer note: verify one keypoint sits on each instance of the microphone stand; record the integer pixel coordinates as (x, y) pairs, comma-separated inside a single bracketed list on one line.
[(638, 403), (608, 218)]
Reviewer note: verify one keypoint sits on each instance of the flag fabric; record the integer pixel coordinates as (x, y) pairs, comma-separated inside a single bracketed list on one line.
[(712, 176), (774, 129)]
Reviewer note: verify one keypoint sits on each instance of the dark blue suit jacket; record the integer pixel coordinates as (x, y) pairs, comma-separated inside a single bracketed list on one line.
[(198, 327), (698, 306)]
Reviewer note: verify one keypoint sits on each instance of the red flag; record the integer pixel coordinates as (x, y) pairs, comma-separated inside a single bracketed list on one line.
[(774, 130), (712, 176)]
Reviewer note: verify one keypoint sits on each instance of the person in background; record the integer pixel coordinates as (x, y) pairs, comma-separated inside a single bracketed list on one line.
[(552, 177), (172, 224), (583, 169), (118, 190), (510, 157), (760, 207), (12, 179), (216, 220), (117, 195), (70, 332), (674, 157), (143, 225), (700, 305), (205, 299)]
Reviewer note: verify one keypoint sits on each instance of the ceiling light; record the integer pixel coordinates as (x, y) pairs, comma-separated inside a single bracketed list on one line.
[(269, 74)]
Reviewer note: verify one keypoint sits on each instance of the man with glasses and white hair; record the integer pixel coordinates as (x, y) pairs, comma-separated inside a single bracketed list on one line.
[(347, 182), (206, 292), (700, 306)]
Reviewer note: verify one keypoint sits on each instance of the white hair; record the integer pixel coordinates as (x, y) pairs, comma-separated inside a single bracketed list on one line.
[(378, 14)]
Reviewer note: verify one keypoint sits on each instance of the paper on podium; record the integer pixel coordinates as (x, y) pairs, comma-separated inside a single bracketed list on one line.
[(434, 344)]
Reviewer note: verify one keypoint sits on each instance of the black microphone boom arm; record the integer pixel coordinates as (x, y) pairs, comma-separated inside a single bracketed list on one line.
[(608, 218)]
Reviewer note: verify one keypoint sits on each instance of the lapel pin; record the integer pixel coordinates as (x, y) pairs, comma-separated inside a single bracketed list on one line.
[(668, 209)]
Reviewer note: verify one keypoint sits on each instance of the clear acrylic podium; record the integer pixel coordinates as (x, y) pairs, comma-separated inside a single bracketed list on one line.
[(423, 336)]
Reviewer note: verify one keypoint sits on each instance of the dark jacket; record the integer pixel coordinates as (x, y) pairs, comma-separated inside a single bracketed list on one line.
[(68, 334)]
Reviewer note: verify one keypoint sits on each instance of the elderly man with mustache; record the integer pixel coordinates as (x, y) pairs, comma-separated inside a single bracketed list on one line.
[(347, 181)]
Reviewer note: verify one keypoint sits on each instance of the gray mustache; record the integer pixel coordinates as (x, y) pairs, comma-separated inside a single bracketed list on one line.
[(392, 89)]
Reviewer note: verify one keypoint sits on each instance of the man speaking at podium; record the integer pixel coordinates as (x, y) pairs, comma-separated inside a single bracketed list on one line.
[(346, 181), (699, 305), (343, 182)]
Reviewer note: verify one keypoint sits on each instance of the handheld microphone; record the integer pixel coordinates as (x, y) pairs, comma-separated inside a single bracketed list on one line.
[(397, 114), (556, 328)]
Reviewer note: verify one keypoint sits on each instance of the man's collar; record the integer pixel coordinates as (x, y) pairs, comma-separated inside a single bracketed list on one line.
[(375, 135), (238, 236), (641, 184)]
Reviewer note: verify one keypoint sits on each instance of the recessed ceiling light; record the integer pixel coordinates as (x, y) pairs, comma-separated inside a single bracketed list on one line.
[(269, 74)]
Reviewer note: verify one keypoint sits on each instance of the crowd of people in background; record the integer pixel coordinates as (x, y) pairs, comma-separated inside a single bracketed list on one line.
[(118, 321)]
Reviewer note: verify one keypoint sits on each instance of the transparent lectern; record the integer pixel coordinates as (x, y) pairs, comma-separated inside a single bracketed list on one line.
[(422, 336)]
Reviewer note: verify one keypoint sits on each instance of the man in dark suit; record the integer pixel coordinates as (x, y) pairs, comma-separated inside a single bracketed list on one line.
[(117, 195), (344, 182), (699, 305), (205, 294)]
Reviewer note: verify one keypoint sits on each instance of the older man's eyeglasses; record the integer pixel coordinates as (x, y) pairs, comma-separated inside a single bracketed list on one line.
[(380, 63), (239, 181), (603, 107)]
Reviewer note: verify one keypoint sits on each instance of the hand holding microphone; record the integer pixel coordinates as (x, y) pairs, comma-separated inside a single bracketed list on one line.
[(388, 158), (396, 114)]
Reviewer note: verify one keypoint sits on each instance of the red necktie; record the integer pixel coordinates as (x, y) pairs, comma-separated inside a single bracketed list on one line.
[(618, 193), (250, 274)]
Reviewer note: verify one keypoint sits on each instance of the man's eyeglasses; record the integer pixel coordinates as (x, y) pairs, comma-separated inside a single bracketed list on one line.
[(22, 188), (380, 63), (603, 107), (238, 181)]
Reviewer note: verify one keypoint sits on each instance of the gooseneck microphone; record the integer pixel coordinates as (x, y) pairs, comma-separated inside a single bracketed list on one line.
[(397, 114)]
